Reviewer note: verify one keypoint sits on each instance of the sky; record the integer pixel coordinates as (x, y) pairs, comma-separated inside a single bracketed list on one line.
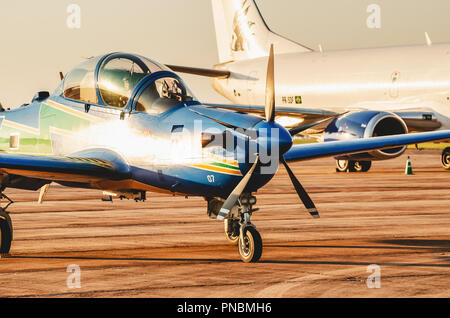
[(36, 43)]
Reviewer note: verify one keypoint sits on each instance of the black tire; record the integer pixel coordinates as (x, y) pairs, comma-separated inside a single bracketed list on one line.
[(6, 236), (233, 239), (342, 165), (251, 249), (361, 166), (445, 158)]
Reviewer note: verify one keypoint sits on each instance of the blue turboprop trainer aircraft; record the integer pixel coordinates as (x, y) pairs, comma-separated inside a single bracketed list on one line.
[(127, 125)]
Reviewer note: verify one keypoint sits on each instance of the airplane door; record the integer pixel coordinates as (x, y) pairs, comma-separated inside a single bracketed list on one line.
[(251, 86)]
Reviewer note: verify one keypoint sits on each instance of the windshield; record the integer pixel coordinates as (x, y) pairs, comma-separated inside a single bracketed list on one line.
[(79, 84)]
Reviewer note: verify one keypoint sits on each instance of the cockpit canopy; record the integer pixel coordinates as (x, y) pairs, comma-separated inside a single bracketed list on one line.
[(111, 79)]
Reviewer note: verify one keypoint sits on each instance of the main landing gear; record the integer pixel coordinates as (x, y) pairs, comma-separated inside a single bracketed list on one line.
[(445, 158), (6, 228), (353, 166), (241, 232)]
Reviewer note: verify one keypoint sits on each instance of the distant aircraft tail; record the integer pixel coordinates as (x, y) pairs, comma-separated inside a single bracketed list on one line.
[(242, 33)]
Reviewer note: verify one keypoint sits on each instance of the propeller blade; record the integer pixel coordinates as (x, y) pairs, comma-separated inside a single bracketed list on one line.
[(252, 134), (303, 195), (235, 195), (43, 193), (61, 75), (215, 120), (324, 122), (270, 87)]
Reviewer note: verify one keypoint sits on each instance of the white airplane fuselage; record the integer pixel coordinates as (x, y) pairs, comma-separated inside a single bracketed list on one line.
[(405, 78)]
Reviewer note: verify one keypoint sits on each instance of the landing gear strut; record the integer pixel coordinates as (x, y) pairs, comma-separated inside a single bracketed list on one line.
[(241, 232), (353, 166), (445, 158), (6, 228)]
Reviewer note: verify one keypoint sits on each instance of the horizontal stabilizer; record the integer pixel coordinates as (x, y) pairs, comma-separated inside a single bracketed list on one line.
[(200, 71)]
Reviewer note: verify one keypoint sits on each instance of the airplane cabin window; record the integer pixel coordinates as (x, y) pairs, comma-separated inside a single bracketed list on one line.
[(117, 79), (162, 95), (79, 84)]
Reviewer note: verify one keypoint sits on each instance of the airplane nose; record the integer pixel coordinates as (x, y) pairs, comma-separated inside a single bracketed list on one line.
[(273, 137)]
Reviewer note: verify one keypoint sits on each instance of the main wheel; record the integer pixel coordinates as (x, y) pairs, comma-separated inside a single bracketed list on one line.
[(342, 165), (232, 231), (251, 247), (6, 232), (445, 158), (361, 166)]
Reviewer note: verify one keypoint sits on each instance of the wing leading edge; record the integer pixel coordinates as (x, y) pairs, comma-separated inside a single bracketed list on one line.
[(333, 148)]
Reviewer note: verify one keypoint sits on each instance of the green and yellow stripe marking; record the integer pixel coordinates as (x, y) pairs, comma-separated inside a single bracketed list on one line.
[(70, 110), (21, 127)]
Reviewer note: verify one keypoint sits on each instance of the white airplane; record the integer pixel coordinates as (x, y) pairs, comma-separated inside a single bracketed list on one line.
[(342, 94)]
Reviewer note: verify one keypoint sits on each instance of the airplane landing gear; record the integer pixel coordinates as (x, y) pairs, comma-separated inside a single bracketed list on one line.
[(241, 232), (353, 166), (445, 158), (6, 228), (232, 228)]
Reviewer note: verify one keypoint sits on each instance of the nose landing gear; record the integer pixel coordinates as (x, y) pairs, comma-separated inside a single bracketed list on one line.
[(241, 232)]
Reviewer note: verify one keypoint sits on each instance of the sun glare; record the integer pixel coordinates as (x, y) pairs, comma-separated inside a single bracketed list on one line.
[(142, 147)]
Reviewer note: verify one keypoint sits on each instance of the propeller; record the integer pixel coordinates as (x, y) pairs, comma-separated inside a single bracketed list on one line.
[(302, 194), (270, 88), (270, 117), (236, 194)]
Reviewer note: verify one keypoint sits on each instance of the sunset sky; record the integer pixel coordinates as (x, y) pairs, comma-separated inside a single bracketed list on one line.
[(36, 43)]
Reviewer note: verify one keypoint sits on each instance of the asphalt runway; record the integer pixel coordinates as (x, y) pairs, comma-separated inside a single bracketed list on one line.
[(168, 247)]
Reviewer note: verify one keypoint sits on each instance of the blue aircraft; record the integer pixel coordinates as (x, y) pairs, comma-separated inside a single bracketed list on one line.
[(128, 125)]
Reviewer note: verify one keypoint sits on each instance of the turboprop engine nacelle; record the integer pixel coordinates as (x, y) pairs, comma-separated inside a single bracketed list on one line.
[(367, 124)]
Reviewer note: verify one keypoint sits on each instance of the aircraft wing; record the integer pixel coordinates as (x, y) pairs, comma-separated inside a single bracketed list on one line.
[(416, 120), (308, 115), (333, 148), (80, 168), (420, 120)]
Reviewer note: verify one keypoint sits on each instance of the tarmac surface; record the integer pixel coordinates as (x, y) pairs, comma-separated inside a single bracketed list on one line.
[(168, 247)]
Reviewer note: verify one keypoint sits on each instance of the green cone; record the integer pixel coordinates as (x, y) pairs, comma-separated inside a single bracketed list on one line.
[(408, 169)]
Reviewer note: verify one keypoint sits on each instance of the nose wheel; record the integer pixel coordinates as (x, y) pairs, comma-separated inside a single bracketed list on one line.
[(250, 244)]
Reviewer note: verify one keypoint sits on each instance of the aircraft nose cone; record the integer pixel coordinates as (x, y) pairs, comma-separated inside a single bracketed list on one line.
[(285, 140), (274, 138)]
